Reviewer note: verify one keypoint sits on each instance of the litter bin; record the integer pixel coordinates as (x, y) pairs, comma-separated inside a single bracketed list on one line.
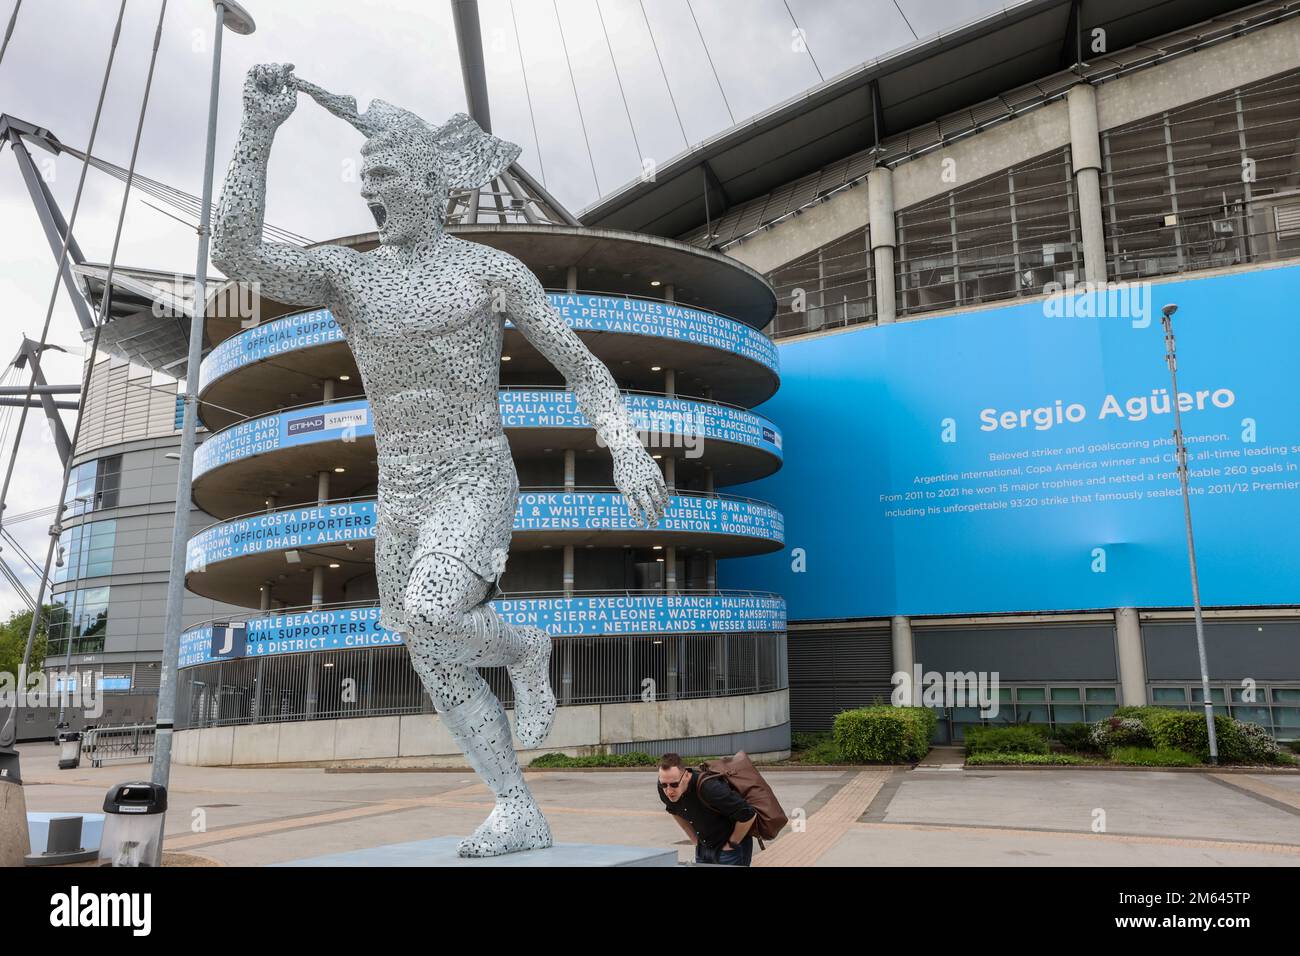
[(133, 825), (69, 750)]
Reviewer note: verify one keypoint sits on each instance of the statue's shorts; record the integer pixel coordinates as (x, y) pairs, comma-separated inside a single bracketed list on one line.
[(459, 503)]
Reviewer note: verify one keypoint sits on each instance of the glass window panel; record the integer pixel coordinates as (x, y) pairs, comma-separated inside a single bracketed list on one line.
[(1065, 693), (1252, 715), (1286, 716), (1031, 693), (1034, 715), (1098, 711), (1067, 714), (1239, 695), (1216, 695), (1168, 695), (1100, 694), (1286, 695)]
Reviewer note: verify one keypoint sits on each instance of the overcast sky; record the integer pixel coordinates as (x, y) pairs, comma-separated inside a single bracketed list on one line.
[(403, 51)]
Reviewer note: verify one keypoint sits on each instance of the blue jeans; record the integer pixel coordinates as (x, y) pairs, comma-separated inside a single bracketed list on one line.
[(737, 857)]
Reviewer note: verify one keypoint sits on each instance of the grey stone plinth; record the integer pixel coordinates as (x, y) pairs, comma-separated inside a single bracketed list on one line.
[(441, 851)]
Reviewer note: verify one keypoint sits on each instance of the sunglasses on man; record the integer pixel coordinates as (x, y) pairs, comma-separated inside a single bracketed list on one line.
[(675, 784)]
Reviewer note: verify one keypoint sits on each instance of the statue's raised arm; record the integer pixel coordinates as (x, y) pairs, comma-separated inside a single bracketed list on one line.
[(283, 271)]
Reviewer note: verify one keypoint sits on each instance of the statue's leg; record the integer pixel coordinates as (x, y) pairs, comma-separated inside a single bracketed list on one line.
[(445, 600), (446, 642)]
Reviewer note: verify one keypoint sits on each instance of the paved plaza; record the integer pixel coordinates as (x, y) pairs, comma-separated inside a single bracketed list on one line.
[(935, 815)]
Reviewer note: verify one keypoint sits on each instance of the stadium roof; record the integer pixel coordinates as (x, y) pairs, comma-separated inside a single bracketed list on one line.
[(913, 86)]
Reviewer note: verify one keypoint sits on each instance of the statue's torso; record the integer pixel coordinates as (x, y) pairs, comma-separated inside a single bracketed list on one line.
[(428, 345)]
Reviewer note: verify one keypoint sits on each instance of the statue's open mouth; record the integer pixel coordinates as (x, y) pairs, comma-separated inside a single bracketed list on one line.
[(379, 212)]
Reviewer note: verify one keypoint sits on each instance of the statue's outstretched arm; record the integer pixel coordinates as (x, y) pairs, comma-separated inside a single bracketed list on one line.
[(284, 272), (635, 472)]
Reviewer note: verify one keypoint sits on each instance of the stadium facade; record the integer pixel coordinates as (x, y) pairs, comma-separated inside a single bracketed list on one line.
[(926, 222), (994, 482)]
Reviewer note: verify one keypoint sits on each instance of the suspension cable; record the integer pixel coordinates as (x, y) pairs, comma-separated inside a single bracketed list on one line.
[(708, 56), (804, 40), (905, 20), (564, 44), (9, 30), (63, 255), (640, 156), (537, 144), (94, 343), (664, 74)]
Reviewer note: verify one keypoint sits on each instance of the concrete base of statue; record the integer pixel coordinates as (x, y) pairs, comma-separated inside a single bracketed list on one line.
[(441, 851)]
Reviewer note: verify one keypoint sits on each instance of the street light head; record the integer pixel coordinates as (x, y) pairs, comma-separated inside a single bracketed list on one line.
[(1169, 310), (234, 17)]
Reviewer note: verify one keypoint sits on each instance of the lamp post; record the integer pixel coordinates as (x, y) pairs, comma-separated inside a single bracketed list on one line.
[(231, 16), (1167, 320)]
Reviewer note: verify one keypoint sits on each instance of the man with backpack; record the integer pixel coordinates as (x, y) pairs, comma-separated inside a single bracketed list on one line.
[(710, 810)]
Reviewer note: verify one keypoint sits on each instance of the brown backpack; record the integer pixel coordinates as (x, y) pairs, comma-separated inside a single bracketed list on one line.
[(740, 772)]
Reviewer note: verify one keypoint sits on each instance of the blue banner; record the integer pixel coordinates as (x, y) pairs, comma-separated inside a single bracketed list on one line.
[(1020, 458), (580, 311), (680, 421), (344, 628), (339, 523)]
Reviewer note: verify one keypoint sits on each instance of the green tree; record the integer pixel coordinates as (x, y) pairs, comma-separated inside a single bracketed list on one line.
[(13, 641)]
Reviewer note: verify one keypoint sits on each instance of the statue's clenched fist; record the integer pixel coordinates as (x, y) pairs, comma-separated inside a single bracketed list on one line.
[(270, 93)]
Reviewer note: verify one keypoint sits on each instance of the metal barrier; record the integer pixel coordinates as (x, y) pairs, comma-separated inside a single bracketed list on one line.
[(380, 681), (126, 742)]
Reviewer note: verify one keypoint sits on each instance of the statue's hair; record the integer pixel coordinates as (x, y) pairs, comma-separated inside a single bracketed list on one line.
[(468, 157)]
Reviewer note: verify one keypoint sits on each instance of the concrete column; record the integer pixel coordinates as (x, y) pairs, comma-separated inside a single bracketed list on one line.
[(271, 502), (670, 293), (568, 570), (670, 473), (712, 581), (322, 487), (1132, 664), (1085, 158), (265, 598), (571, 279), (670, 382), (570, 469), (317, 586), (708, 478), (900, 632), (670, 569), (327, 390), (880, 203)]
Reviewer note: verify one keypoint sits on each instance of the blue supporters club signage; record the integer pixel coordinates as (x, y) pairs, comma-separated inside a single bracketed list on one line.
[(228, 640), (531, 408), (288, 334), (343, 628), (581, 312), (1021, 458), (350, 521)]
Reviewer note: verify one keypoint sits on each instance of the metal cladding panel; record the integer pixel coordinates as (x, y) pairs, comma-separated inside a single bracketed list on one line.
[(831, 671), (1262, 650), (1072, 652)]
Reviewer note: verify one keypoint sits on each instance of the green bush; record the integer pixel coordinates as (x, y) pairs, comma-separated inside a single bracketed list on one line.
[(1075, 736), (1017, 739), (1152, 757), (1258, 745), (978, 759), (634, 759), (884, 734), (1186, 731), (1119, 731)]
